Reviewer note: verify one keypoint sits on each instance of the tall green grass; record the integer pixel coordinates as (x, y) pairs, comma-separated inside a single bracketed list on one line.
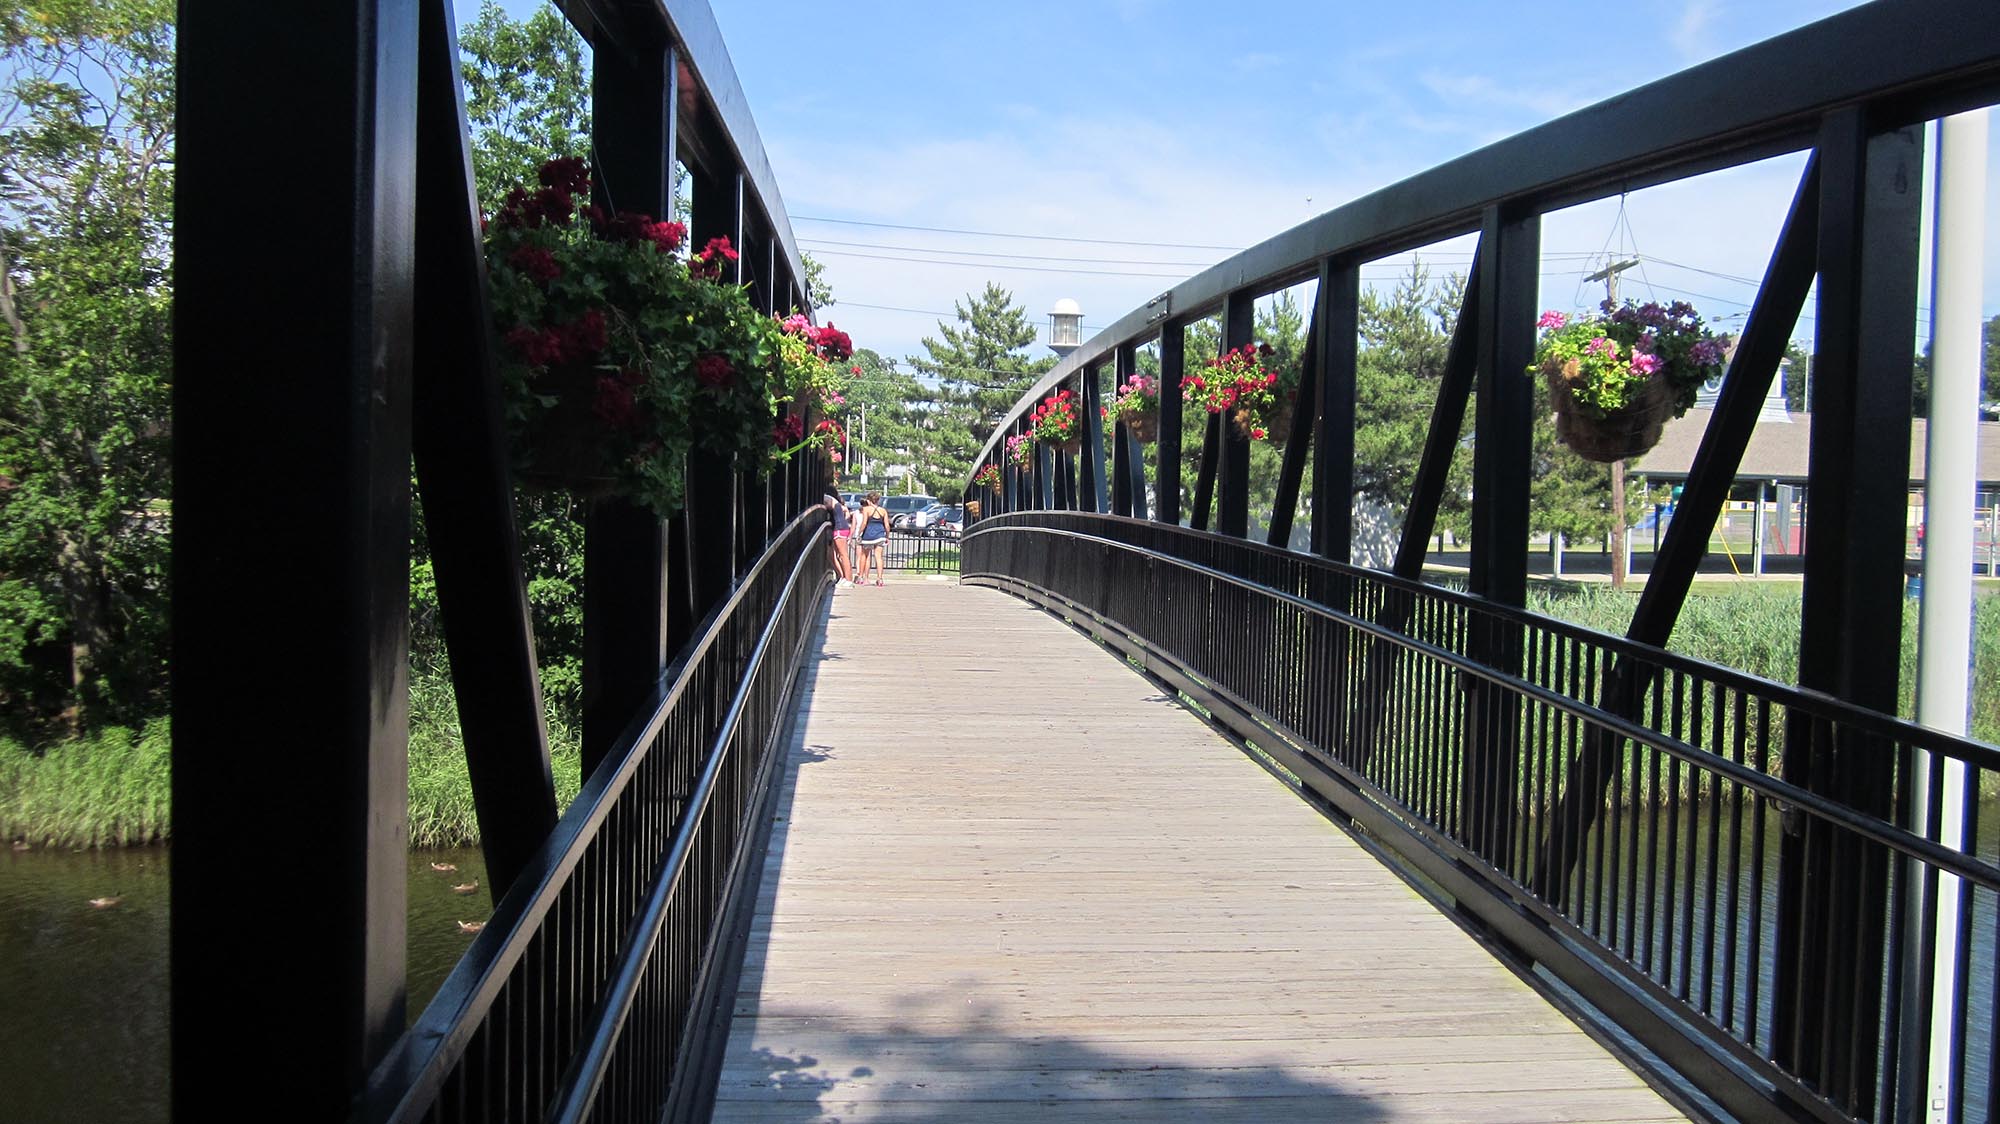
[(112, 788), (441, 810), (1755, 628)]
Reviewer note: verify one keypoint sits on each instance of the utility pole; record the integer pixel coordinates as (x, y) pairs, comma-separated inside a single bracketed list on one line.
[(1609, 275)]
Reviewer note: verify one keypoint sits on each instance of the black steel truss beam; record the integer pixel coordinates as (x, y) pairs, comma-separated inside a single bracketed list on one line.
[(291, 544), (1336, 335), (462, 470), (1167, 468)]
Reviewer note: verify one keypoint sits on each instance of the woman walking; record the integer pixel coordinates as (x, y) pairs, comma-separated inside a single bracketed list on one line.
[(874, 537)]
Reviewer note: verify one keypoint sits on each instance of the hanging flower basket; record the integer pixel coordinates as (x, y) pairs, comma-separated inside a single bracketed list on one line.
[(563, 446), (1239, 385), (1137, 404), (1058, 423), (618, 356), (1615, 379), (1614, 435)]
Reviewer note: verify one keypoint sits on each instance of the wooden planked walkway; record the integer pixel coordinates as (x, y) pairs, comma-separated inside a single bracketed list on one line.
[(1011, 880)]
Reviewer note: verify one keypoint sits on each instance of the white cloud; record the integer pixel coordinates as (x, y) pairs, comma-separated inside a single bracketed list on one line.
[(1690, 32)]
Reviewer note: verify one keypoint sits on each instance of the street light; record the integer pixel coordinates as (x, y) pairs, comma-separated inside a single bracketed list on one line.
[(1065, 327)]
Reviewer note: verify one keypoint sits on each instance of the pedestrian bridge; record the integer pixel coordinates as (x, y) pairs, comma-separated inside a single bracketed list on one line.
[(1143, 816), (1010, 876)]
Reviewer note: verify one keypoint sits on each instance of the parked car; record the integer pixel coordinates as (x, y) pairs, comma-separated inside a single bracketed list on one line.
[(950, 522), (925, 521), (901, 508)]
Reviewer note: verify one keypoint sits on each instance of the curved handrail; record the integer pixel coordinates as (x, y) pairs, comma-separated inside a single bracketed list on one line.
[(1820, 705), (573, 1104), (1805, 699), (415, 1071), (1907, 60)]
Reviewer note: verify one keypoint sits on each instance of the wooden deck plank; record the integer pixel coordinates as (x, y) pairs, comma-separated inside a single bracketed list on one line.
[(1012, 880)]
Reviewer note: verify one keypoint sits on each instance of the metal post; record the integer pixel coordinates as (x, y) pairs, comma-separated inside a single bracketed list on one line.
[(461, 457), (1167, 468), (291, 545), (1944, 651), (1832, 886), (1336, 334), (626, 632), (1232, 485), (1091, 485)]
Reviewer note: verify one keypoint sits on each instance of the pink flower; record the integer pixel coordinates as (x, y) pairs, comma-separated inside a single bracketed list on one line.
[(1602, 345), (1644, 364), (1552, 319)]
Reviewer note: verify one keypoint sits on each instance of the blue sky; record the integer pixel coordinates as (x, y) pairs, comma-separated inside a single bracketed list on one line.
[(1163, 121)]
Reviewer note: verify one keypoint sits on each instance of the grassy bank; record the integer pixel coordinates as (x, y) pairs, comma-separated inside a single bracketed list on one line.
[(110, 789), (441, 812), (113, 788)]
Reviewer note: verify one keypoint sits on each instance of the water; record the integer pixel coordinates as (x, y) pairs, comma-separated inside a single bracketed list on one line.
[(83, 990)]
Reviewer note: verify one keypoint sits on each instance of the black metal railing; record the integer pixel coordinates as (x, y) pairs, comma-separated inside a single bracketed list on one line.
[(921, 554), (1631, 851), (578, 1000)]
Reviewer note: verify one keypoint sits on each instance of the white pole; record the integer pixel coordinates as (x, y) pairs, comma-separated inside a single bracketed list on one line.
[(1944, 645), (1556, 554), (1757, 534)]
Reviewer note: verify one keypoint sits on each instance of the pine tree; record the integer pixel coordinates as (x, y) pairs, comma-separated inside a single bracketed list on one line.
[(980, 371)]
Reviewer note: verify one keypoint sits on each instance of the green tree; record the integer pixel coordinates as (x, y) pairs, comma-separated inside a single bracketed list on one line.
[(526, 96), (86, 174), (981, 369)]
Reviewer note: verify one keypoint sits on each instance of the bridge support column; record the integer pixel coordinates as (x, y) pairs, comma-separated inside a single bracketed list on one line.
[(1091, 492), (291, 545), (1832, 886), (1503, 422), (1232, 515), (1167, 469), (1336, 331), (626, 633)]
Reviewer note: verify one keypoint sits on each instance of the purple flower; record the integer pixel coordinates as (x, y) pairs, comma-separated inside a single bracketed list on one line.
[(1682, 308), (1552, 319), (1644, 364), (1652, 315), (1649, 340), (1707, 353), (1625, 315)]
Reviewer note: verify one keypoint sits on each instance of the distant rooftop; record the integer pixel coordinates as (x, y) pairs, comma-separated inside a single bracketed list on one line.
[(1778, 450)]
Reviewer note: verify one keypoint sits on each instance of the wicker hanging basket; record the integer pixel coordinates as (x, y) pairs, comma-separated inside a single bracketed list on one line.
[(1144, 427), (1619, 435), (1071, 447), (565, 445)]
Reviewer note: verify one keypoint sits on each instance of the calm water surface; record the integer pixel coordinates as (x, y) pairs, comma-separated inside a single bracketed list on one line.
[(83, 991)]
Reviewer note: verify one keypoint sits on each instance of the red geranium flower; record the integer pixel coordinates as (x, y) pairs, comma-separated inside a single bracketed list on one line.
[(614, 405), (536, 263), (714, 371)]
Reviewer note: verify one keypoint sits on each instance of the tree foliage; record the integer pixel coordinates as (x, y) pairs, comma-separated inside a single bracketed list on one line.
[(86, 174), (981, 369), (526, 96)]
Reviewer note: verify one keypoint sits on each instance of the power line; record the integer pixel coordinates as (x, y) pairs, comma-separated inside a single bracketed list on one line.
[(1004, 234), (1015, 257), (1003, 267)]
